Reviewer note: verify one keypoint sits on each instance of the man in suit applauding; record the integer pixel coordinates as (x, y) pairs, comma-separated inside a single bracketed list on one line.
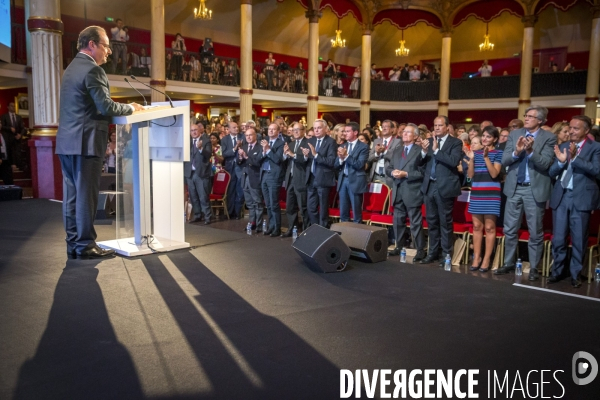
[(320, 154), (198, 173), (250, 160), (441, 185), (230, 144), (528, 154), (85, 112), (407, 197), (271, 178), (295, 179), (382, 150), (352, 178), (574, 197)]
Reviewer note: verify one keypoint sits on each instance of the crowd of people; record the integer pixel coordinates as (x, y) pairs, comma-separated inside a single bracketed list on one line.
[(511, 171), (13, 152)]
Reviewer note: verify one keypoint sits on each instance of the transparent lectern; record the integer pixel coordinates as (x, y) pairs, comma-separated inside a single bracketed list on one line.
[(151, 148)]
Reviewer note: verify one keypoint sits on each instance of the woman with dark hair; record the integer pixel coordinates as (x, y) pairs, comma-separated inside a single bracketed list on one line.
[(366, 139), (217, 156), (484, 205), (371, 133), (178, 46)]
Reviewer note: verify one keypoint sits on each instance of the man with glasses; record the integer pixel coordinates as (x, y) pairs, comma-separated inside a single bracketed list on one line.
[(528, 155), (198, 173), (85, 112)]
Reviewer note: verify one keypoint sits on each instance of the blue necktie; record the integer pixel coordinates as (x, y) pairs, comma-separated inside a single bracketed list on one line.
[(433, 176), (521, 173), (312, 167), (346, 164)]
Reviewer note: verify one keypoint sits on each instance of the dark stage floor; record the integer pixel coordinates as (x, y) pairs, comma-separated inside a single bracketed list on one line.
[(239, 317)]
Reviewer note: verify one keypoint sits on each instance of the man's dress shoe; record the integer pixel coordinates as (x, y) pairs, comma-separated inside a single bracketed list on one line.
[(505, 269), (430, 259), (288, 234), (575, 283), (420, 256), (534, 275), (275, 233), (554, 279), (95, 252), (395, 252)]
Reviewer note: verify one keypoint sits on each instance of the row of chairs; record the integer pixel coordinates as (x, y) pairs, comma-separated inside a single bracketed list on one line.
[(378, 209)]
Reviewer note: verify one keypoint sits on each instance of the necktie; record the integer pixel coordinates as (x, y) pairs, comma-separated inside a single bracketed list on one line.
[(405, 153), (12, 120), (193, 150), (522, 171), (312, 167), (433, 176), (566, 179), (250, 147), (381, 171), (385, 143), (346, 164)]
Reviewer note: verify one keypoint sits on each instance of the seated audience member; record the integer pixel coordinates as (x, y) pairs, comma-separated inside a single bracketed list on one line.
[(561, 130), (415, 74), (484, 168), (145, 61), (515, 124), (574, 197)]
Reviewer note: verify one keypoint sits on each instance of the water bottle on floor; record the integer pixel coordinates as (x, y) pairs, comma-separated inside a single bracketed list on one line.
[(294, 234), (597, 273), (249, 229), (264, 227), (403, 255), (519, 268), (448, 263)]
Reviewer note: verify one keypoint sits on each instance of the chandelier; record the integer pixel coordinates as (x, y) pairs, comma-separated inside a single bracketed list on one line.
[(486, 45), (202, 12), (402, 51), (338, 42)]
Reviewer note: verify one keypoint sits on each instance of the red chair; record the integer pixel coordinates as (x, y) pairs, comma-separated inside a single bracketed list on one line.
[(283, 198), (523, 236), (374, 202), (218, 196), (499, 237), (384, 219), (334, 207)]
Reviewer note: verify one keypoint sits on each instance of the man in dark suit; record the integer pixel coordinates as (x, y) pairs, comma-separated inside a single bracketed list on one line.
[(382, 150), (295, 179), (85, 111), (528, 155), (230, 144), (441, 185), (198, 173), (250, 160), (404, 74), (13, 129), (321, 155), (271, 178), (407, 197), (574, 197), (6, 173), (352, 177)]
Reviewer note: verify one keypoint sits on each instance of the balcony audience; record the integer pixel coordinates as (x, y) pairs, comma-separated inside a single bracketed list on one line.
[(485, 70), (269, 71), (355, 84), (394, 74), (405, 73), (414, 73), (426, 75), (119, 38), (178, 46)]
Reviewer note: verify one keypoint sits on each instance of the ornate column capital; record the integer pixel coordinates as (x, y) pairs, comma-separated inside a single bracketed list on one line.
[(367, 28), (446, 32), (529, 20), (595, 10), (249, 2), (313, 16)]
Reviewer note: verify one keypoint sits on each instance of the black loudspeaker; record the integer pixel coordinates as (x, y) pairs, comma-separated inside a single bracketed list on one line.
[(322, 249), (367, 243)]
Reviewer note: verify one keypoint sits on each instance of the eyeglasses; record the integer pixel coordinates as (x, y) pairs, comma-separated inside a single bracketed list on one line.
[(530, 116), (106, 46)]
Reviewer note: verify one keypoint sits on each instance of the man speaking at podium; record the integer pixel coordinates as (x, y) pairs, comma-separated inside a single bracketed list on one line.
[(85, 112)]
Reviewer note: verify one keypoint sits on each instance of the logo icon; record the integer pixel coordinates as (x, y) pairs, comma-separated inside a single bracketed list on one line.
[(584, 363)]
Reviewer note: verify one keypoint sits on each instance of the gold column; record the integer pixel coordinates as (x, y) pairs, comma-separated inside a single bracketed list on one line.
[(157, 49), (246, 61), (365, 78), (591, 92), (312, 110), (526, 64), (443, 103)]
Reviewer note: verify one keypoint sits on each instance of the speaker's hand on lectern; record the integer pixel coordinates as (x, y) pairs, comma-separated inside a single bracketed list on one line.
[(137, 107)]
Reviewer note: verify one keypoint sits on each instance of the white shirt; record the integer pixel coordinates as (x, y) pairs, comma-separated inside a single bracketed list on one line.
[(119, 35), (486, 71)]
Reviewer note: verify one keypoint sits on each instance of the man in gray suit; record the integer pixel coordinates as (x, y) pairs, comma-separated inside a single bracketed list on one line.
[(198, 173), (574, 197), (85, 111), (382, 150), (407, 197), (528, 154), (250, 160), (271, 178)]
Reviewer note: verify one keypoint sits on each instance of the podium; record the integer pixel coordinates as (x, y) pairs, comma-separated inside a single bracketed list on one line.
[(151, 148)]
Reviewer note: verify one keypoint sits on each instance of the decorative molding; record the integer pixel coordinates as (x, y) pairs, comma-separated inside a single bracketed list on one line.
[(158, 82), (595, 10), (365, 102), (315, 98), (443, 103), (45, 24), (529, 20), (44, 131), (246, 91), (591, 99), (313, 16), (526, 101)]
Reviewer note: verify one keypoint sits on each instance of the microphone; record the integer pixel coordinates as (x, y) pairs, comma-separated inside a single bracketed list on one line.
[(163, 93), (145, 102)]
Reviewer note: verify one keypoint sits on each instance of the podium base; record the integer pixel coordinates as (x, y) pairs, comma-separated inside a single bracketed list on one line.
[(127, 247)]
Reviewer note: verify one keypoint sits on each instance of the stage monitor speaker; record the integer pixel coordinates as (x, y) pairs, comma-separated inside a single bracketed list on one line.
[(367, 243), (322, 249)]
